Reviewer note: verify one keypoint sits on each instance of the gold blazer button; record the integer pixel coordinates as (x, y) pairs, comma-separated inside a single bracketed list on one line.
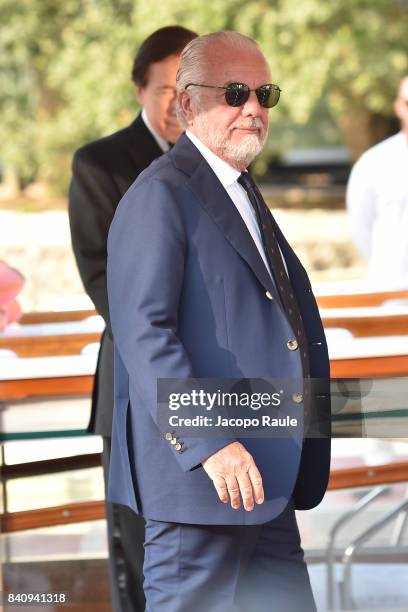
[(292, 345)]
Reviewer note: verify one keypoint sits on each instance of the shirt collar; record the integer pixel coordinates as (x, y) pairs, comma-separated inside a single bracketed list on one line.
[(403, 138), (163, 144), (226, 174)]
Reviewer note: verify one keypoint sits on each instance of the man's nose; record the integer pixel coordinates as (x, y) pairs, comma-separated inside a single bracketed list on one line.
[(252, 106)]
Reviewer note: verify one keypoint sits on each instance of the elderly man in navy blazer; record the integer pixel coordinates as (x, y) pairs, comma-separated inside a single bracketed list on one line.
[(203, 285)]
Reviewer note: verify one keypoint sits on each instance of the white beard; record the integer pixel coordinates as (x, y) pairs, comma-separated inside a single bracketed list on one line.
[(242, 153)]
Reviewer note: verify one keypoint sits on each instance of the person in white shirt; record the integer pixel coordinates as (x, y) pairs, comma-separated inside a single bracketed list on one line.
[(377, 201)]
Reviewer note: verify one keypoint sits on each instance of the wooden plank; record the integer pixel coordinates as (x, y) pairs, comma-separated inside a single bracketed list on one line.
[(351, 300), (368, 476), (45, 387), (63, 316), (56, 515), (392, 325), (42, 345), (95, 510), (82, 385), (72, 344), (392, 365), (356, 300), (83, 579), (50, 466)]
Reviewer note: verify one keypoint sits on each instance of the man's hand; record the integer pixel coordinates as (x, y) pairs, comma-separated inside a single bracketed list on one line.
[(235, 475)]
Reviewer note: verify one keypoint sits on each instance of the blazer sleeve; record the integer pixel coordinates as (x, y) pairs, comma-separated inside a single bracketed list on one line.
[(93, 196), (146, 253)]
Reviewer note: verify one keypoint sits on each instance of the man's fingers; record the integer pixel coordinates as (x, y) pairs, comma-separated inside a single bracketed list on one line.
[(245, 486), (221, 488), (233, 491), (235, 475), (256, 480)]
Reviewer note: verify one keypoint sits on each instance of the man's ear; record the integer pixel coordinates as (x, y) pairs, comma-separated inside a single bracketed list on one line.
[(184, 101), (139, 94)]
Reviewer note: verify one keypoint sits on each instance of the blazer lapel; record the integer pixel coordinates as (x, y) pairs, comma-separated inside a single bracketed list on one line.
[(212, 196)]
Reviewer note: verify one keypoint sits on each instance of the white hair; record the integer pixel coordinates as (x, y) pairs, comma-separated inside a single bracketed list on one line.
[(194, 60)]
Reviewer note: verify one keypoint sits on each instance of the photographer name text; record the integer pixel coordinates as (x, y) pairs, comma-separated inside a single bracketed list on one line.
[(245, 423)]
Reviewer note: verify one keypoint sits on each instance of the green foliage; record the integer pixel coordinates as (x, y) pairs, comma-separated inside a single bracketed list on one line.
[(65, 66), (65, 79)]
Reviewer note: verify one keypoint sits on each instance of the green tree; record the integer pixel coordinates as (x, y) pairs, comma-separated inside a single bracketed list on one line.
[(64, 75), (345, 56), (65, 69)]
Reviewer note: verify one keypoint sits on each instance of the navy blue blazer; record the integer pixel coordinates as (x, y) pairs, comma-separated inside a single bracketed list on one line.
[(187, 298)]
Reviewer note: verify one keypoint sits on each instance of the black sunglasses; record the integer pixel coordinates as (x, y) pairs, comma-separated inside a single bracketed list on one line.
[(236, 94)]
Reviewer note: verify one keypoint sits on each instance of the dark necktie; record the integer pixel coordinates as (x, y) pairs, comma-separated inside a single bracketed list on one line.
[(275, 260)]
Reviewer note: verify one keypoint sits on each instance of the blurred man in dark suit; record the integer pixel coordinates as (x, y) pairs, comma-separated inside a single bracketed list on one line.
[(102, 172)]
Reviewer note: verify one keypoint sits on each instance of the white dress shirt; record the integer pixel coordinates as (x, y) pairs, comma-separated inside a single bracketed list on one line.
[(163, 144), (227, 175), (377, 200)]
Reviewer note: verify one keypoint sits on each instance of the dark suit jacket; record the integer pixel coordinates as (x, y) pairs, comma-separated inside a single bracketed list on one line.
[(102, 171), (200, 307)]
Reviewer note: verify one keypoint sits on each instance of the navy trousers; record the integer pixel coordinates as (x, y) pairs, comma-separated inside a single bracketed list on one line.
[(224, 568)]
